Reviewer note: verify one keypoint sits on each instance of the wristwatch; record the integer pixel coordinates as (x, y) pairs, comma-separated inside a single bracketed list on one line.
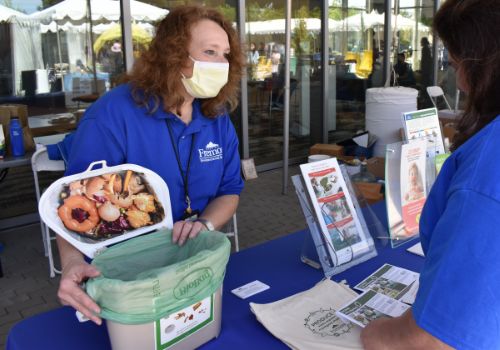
[(207, 223)]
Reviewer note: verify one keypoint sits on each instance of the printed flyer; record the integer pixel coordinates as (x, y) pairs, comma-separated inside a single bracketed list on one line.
[(413, 192), (393, 281), (424, 124), (334, 210), (369, 306)]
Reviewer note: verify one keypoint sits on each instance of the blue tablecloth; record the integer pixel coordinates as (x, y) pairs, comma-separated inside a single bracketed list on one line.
[(276, 263)]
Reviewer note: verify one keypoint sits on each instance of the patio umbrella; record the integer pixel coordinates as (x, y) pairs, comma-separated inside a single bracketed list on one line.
[(139, 36)]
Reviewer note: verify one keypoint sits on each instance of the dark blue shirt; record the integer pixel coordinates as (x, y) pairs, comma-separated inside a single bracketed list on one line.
[(119, 131), (458, 300)]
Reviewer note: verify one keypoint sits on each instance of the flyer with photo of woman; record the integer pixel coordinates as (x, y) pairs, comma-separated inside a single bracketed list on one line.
[(413, 191), (334, 209)]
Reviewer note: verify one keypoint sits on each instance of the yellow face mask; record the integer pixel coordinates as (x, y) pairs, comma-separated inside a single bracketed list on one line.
[(207, 80)]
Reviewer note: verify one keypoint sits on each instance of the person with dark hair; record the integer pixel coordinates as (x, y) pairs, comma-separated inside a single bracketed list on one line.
[(170, 116), (252, 55), (426, 63), (404, 73), (457, 304)]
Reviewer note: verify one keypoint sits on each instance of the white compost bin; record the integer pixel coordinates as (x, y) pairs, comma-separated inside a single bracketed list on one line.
[(178, 331), (384, 114)]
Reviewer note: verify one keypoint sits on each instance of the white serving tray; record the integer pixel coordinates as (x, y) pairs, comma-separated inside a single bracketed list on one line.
[(49, 204)]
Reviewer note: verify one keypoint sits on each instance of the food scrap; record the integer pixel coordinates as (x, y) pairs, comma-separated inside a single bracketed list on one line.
[(196, 306), (109, 204)]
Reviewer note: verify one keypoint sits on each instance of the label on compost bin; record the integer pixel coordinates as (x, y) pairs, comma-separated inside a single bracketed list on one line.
[(177, 326)]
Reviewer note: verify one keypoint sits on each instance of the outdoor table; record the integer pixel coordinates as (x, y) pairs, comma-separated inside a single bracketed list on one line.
[(50, 124), (276, 263)]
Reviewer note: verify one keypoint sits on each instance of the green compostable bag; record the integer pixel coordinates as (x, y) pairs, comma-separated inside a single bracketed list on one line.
[(149, 277)]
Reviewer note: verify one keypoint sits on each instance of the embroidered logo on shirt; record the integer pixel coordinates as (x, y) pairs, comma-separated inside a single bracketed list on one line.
[(211, 152)]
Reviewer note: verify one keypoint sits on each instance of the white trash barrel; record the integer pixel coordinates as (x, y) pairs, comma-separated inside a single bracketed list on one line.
[(384, 114)]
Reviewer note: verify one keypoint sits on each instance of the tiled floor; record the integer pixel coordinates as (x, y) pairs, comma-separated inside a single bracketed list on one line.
[(26, 289)]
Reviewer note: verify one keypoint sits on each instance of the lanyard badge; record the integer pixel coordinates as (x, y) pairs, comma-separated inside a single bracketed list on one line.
[(189, 213)]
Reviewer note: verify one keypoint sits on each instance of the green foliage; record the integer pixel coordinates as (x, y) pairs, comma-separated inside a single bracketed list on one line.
[(48, 3), (257, 13), (339, 13), (227, 11)]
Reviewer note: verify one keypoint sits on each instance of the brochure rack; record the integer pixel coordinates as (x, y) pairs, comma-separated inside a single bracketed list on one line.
[(397, 162), (317, 249)]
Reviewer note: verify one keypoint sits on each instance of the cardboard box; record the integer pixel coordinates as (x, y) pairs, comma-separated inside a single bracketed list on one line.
[(376, 166), (371, 191), (17, 110), (4, 121), (449, 130), (333, 150), (29, 143)]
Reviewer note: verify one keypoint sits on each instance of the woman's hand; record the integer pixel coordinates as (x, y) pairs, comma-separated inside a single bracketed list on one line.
[(184, 230), (71, 293)]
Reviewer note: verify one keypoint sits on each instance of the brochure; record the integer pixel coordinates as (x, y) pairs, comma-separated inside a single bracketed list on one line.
[(424, 124), (334, 210), (307, 320), (413, 192), (392, 281), (392, 193), (369, 306)]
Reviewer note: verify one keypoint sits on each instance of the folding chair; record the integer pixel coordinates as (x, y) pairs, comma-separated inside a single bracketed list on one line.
[(446, 115), (231, 230), (436, 92), (40, 162)]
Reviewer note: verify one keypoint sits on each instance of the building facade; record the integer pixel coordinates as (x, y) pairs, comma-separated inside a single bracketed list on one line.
[(309, 62)]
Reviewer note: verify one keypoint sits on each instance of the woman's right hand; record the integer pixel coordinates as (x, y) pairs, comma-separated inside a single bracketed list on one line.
[(71, 293)]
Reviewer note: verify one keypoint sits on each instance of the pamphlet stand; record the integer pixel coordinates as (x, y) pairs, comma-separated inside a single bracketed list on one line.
[(315, 251), (393, 196)]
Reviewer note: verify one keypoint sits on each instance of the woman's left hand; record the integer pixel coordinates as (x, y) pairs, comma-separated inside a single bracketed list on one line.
[(185, 229)]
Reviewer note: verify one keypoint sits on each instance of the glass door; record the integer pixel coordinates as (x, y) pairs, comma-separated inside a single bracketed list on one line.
[(355, 63), (266, 56)]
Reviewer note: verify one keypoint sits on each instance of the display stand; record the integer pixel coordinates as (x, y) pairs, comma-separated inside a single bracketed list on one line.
[(317, 250), (397, 163)]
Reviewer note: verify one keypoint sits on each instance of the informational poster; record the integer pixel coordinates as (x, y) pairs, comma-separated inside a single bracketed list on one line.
[(334, 210), (424, 124), (413, 191)]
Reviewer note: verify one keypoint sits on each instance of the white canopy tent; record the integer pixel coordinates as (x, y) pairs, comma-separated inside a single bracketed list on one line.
[(363, 21), (72, 18), (25, 43), (84, 27), (6, 14), (277, 26), (103, 11)]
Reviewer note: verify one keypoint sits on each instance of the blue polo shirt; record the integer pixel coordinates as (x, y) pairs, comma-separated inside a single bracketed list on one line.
[(459, 296), (119, 131)]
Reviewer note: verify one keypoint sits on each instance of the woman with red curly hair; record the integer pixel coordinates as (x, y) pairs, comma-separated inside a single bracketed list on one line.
[(171, 116)]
